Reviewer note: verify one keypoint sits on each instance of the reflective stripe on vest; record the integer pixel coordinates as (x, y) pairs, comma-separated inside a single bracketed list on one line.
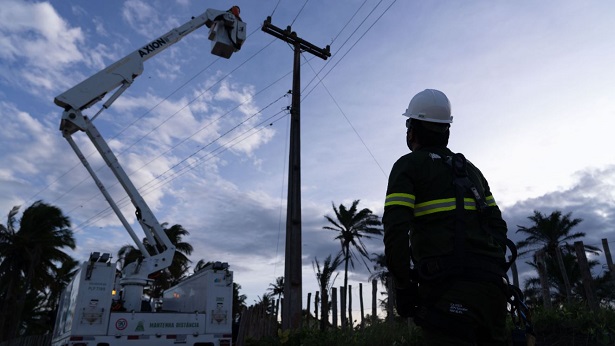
[(434, 206), (403, 199)]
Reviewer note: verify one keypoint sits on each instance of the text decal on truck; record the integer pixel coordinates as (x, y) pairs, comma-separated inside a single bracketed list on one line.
[(152, 47), (173, 324)]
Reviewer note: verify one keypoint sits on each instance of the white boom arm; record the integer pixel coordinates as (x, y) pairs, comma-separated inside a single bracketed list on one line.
[(227, 33), (125, 70)]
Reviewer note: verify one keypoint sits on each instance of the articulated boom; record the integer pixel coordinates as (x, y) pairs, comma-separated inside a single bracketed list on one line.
[(227, 33)]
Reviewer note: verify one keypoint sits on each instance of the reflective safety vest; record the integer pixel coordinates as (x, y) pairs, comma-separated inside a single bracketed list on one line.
[(421, 198)]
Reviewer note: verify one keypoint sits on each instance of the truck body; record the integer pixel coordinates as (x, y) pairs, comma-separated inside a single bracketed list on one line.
[(104, 305), (198, 311)]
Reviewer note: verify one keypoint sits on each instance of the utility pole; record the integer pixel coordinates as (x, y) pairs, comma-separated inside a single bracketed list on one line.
[(291, 305)]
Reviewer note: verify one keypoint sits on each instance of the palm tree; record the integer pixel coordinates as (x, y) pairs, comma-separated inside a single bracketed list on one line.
[(182, 249), (382, 274), (30, 258), (324, 283), (550, 232), (266, 302), (353, 226), (239, 300), (277, 289), (178, 268), (63, 275), (11, 262)]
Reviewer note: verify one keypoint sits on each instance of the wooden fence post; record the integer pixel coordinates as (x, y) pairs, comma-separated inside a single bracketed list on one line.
[(343, 320), (361, 304), (350, 321), (374, 300), (609, 260), (324, 310), (307, 310), (586, 275), (544, 283), (334, 306), (562, 269), (256, 323), (316, 301)]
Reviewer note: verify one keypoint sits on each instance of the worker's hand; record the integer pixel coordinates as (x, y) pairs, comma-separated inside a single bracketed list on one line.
[(407, 301)]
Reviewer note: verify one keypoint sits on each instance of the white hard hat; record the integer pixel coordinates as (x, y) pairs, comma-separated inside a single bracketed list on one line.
[(430, 105)]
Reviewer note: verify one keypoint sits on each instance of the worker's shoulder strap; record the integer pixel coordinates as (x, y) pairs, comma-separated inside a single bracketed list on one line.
[(462, 182)]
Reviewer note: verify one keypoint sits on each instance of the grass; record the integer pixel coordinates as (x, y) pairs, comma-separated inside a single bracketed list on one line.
[(575, 324), (567, 325), (398, 333)]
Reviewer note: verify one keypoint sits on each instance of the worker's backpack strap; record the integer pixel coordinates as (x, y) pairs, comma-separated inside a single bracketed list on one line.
[(462, 182)]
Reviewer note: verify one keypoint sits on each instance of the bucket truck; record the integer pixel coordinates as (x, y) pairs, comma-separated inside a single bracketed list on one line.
[(104, 306)]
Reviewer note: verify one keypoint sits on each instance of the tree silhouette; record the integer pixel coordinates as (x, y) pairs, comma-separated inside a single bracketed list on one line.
[(178, 268), (551, 235), (324, 276), (549, 232), (30, 256), (353, 225)]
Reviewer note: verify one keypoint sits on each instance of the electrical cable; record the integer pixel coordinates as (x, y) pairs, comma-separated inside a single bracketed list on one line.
[(133, 123), (352, 126), (300, 10), (170, 117), (214, 153), (277, 247), (183, 169), (202, 128), (320, 80), (227, 75), (338, 63), (275, 8)]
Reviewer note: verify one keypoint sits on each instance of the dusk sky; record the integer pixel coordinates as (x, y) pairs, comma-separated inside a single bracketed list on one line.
[(205, 139)]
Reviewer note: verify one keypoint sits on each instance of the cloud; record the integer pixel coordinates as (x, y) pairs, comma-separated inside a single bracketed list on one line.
[(36, 45), (142, 17), (590, 198)]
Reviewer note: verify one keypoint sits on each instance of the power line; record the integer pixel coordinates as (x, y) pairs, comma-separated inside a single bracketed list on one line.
[(320, 80), (186, 83), (134, 122), (275, 8), (300, 10), (361, 37), (210, 155), (277, 246), (351, 126), (349, 20), (202, 128), (163, 122)]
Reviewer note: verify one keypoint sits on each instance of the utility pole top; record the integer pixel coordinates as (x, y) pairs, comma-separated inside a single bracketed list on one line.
[(291, 37)]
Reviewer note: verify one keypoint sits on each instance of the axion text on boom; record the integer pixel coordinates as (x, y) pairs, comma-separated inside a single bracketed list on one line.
[(152, 47)]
